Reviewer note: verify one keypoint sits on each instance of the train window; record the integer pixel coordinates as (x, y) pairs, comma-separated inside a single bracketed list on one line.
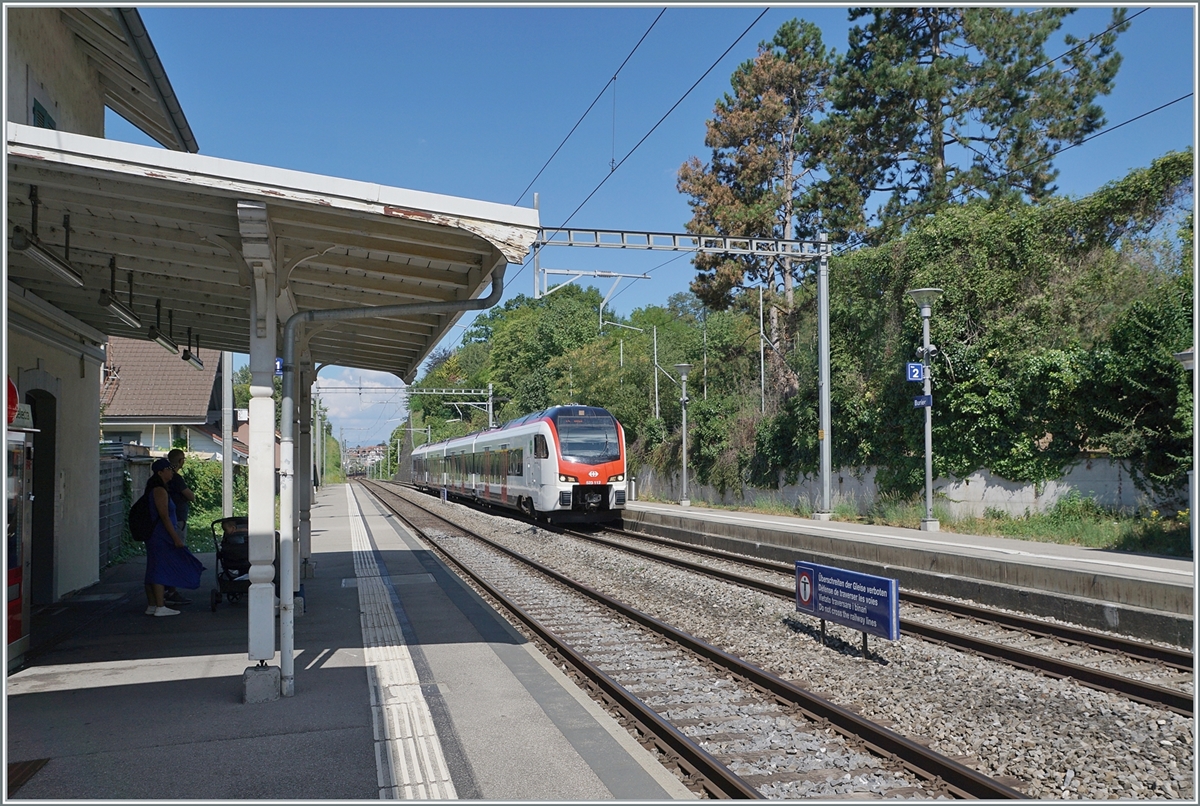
[(516, 462), (540, 451)]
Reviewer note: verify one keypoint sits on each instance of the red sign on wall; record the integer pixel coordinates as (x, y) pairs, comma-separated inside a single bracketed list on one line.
[(13, 399)]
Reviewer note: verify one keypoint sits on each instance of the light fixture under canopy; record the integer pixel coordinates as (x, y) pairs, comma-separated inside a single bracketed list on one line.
[(27, 243), (108, 298)]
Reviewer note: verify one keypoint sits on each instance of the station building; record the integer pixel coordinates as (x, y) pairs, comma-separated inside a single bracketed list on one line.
[(107, 239)]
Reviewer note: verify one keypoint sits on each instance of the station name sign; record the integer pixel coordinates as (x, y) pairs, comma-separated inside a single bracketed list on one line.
[(862, 602)]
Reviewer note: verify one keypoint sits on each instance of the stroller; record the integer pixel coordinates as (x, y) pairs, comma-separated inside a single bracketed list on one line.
[(231, 537)]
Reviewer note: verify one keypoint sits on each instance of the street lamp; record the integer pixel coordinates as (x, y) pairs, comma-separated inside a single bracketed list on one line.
[(925, 298), (683, 369)]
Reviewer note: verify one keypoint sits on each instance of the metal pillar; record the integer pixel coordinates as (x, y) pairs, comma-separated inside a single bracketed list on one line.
[(925, 298), (762, 357), (682, 369), (304, 465), (824, 435), (655, 330), (227, 415)]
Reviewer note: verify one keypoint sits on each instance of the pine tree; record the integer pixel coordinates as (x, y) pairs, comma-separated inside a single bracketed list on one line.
[(760, 172), (931, 105)]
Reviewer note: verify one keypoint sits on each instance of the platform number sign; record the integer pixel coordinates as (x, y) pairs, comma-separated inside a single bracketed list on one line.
[(278, 366), (915, 372)]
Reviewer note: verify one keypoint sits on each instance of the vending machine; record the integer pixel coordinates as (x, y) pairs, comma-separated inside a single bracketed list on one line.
[(18, 477)]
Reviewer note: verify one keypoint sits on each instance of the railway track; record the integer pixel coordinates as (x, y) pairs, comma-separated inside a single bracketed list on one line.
[(1004, 624), (1140, 691), (710, 710)]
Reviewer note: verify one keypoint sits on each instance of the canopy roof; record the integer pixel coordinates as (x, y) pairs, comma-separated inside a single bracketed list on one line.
[(178, 222)]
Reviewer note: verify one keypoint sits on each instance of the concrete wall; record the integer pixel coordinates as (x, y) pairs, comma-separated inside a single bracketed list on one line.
[(74, 381), (1092, 477), (45, 62)]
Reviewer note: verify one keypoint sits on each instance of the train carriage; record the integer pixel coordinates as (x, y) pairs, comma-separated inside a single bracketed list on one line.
[(565, 464)]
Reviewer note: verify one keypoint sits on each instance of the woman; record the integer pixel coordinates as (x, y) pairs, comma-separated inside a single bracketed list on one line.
[(168, 561)]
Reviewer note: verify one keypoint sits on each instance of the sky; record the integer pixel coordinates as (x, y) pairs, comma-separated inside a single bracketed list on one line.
[(472, 102)]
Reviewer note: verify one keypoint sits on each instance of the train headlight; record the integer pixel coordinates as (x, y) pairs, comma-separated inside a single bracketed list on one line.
[(569, 479), (618, 477)]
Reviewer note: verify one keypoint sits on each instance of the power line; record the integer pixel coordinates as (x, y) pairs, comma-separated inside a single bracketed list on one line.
[(1124, 22), (664, 117), (966, 191), (589, 109), (652, 130)]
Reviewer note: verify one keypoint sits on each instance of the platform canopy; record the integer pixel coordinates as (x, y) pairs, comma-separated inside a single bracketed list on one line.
[(172, 218)]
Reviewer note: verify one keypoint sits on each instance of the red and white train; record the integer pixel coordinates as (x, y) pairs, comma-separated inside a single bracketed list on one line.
[(565, 464)]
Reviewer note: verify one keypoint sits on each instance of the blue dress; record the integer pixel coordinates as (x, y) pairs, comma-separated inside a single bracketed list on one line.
[(166, 564)]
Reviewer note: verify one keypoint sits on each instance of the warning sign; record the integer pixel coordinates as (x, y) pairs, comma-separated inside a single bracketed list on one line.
[(858, 601), (804, 589)]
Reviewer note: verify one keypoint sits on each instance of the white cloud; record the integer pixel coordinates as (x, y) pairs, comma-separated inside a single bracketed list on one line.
[(363, 406)]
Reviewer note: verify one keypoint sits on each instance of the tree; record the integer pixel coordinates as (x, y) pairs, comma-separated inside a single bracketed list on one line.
[(241, 390), (1139, 398), (758, 180), (933, 104)]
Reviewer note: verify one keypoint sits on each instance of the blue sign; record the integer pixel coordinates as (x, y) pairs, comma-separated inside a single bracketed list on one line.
[(923, 402), (278, 366), (861, 602), (915, 372)]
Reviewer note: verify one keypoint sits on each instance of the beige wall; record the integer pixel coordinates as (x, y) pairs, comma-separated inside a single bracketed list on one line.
[(45, 61), (76, 383)]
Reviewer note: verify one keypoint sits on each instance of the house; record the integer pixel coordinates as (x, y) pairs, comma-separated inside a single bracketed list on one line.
[(150, 397), (102, 235), (63, 67)]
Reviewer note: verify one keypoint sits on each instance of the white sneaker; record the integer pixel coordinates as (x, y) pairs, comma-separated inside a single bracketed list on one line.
[(165, 611), (150, 610)]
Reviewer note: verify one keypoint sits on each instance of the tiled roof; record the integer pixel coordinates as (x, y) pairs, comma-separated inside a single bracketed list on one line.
[(144, 380)]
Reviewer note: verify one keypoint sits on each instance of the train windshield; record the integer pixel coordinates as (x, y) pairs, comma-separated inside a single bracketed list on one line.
[(588, 438)]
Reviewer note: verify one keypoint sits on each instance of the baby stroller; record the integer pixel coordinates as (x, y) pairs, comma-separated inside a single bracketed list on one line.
[(231, 537)]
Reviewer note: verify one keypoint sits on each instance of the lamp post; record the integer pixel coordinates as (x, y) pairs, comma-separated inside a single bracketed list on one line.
[(925, 298), (683, 369)]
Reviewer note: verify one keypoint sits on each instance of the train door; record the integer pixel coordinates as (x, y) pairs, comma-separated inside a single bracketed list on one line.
[(539, 472), (503, 467)]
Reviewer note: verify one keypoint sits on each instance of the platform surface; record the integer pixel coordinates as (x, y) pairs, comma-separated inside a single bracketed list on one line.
[(407, 686)]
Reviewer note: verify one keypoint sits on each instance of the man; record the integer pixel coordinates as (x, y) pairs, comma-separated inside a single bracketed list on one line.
[(182, 495)]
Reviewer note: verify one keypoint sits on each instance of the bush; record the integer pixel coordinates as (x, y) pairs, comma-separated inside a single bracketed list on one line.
[(204, 478)]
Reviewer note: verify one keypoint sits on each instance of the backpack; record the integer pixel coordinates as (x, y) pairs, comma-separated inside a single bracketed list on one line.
[(141, 523)]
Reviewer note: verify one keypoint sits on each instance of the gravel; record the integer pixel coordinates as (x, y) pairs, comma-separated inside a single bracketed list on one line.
[(1049, 738)]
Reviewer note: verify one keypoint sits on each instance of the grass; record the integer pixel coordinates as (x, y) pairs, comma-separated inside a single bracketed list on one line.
[(1074, 520)]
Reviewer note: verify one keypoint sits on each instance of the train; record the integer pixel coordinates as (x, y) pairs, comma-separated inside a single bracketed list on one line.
[(565, 464)]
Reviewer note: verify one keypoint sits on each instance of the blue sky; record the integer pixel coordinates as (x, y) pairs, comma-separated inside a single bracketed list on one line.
[(473, 101)]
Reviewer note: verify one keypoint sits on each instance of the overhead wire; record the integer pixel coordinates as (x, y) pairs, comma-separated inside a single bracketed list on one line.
[(682, 98), (969, 147), (1063, 55), (599, 95), (960, 194)]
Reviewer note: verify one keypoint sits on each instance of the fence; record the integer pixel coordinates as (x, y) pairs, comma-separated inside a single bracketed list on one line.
[(112, 507)]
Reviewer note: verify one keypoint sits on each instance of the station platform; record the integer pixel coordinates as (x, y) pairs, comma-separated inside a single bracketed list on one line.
[(407, 686), (1148, 597)]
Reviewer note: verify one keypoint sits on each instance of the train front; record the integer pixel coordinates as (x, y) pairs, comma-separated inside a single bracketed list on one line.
[(591, 473)]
